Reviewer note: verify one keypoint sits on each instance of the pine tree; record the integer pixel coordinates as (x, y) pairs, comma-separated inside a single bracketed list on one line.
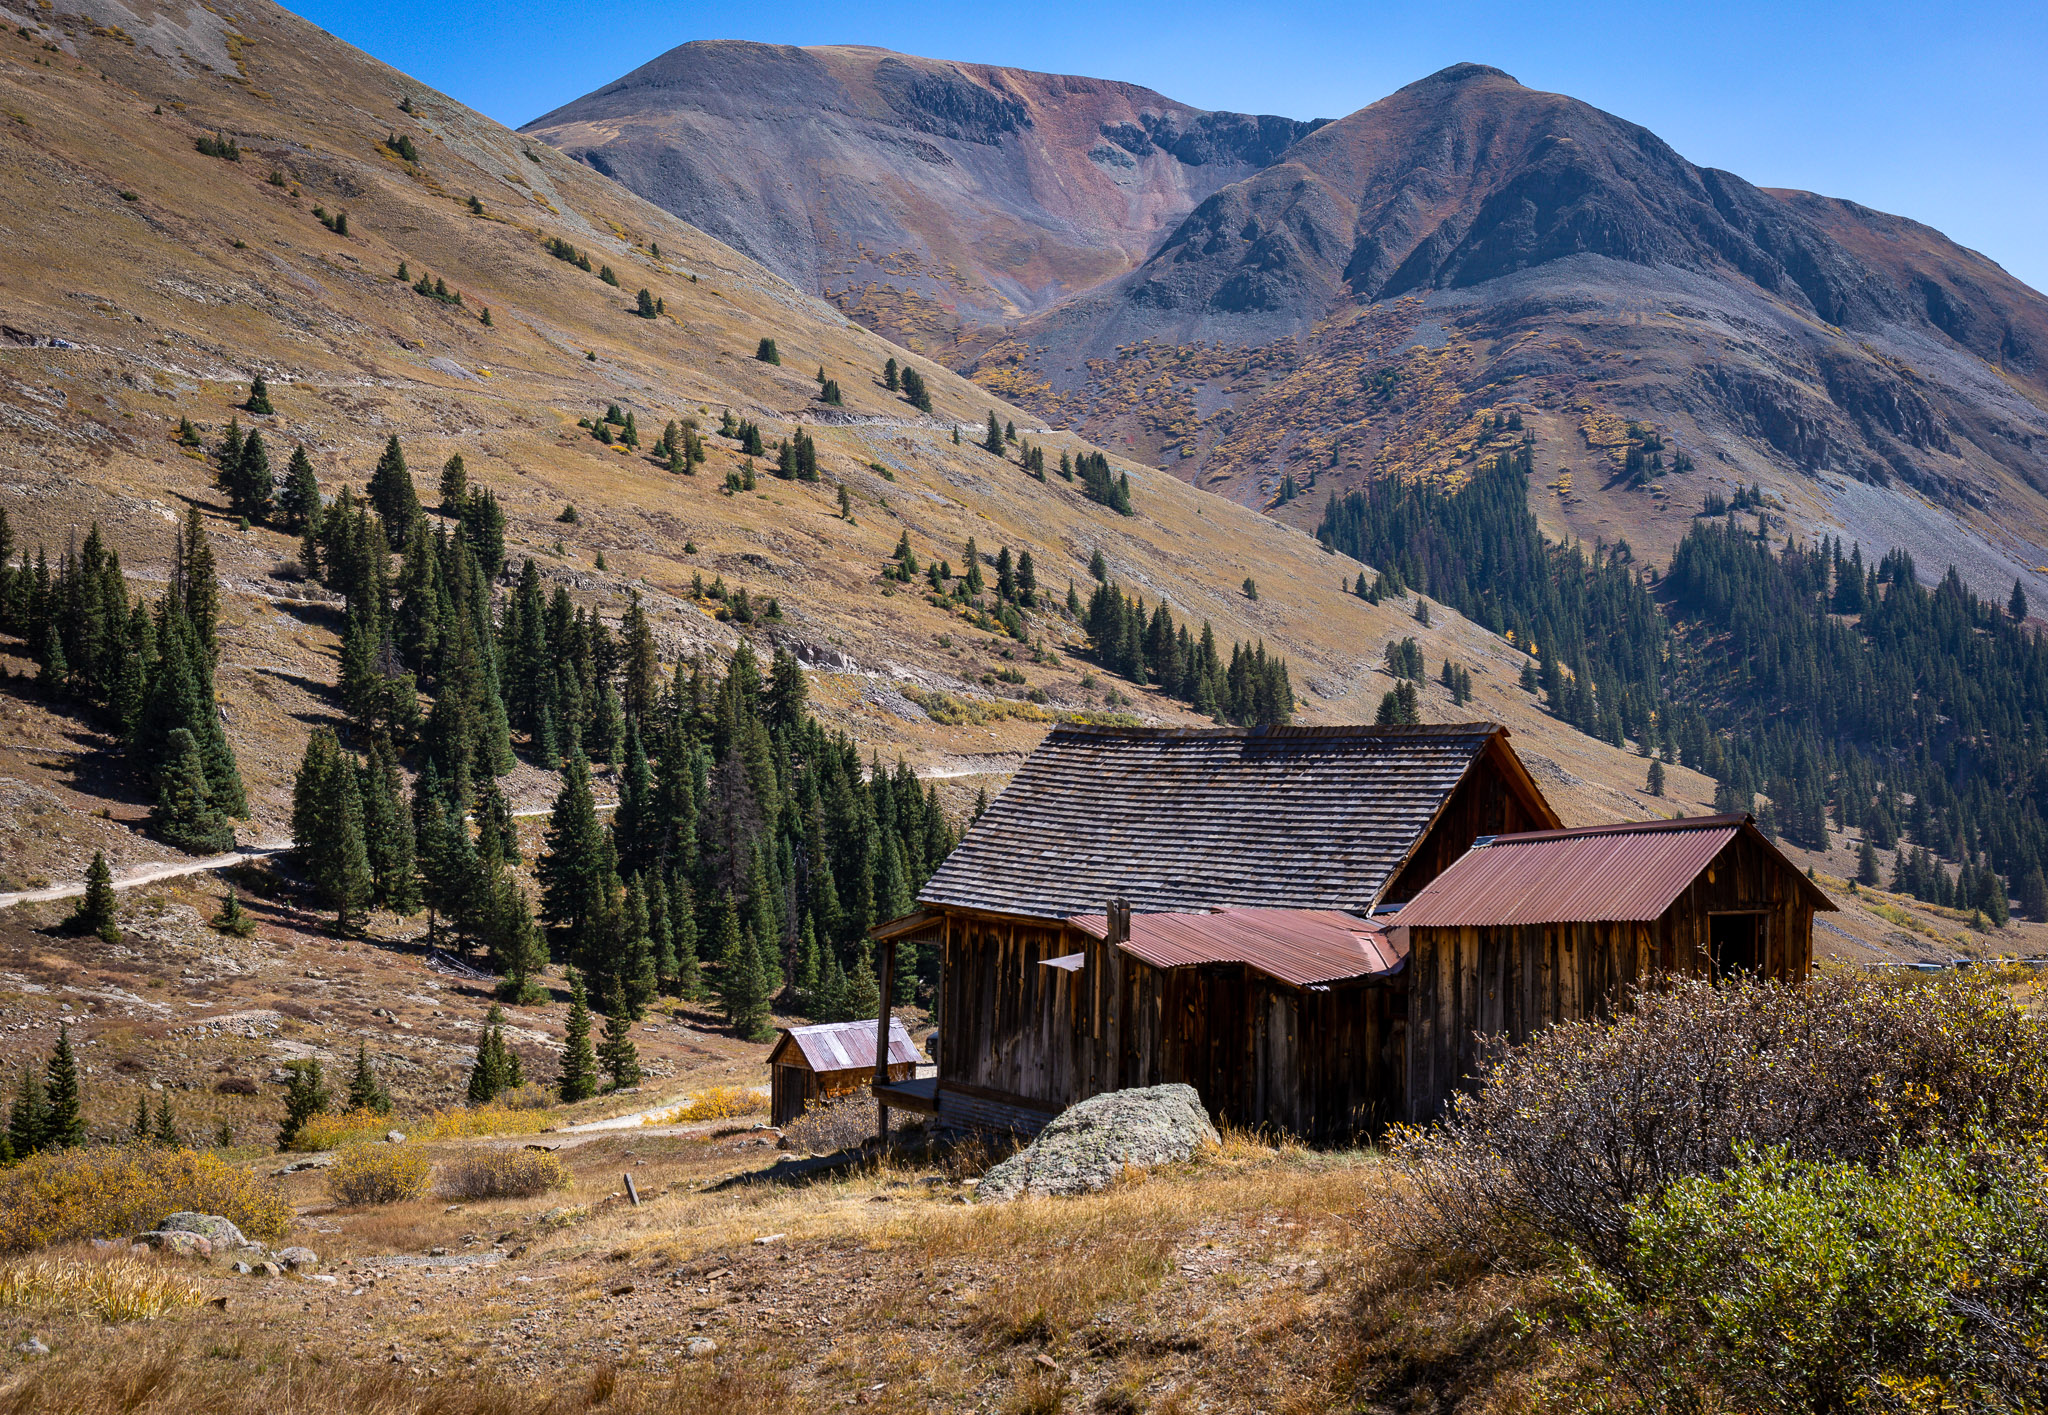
[(579, 1062), (365, 1090), (454, 485), (637, 979), (830, 1004), (617, 1054), (2017, 605), (195, 588), (863, 992), (327, 829), (1655, 784), (388, 842), (891, 380), (992, 441), (766, 352), (299, 501), (28, 1119), (259, 397), (392, 496), (305, 1096), (95, 912), (140, 1126), (2034, 895), (491, 1074), (185, 815), (165, 1132), (644, 304), (740, 985), (63, 1105), (1866, 866)]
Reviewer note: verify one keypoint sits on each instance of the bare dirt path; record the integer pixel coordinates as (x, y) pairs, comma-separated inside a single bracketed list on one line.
[(152, 874), (148, 874)]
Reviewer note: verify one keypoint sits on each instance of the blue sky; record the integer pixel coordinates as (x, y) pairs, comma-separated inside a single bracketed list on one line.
[(1937, 112)]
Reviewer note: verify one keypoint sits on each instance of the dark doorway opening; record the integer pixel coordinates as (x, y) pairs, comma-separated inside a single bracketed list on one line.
[(1736, 941)]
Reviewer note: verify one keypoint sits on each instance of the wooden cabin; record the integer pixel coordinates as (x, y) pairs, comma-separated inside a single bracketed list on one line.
[(1241, 954), (830, 1061), (1551, 926)]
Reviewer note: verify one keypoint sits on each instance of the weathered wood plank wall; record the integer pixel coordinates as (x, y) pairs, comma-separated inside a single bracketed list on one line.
[(1511, 981)]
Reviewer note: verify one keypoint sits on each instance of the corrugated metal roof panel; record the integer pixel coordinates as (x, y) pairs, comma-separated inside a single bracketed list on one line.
[(850, 1046), (1176, 820), (1599, 874), (1302, 947)]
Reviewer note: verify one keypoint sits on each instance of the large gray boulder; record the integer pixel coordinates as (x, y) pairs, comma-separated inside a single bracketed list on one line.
[(218, 1231), (1089, 1144)]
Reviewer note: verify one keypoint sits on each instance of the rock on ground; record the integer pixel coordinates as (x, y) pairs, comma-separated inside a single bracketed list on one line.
[(185, 1245), (1089, 1144), (220, 1232)]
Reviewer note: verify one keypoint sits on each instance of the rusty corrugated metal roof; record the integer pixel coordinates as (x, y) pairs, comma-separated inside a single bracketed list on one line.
[(846, 1046), (1303, 947), (1626, 873), (1177, 820)]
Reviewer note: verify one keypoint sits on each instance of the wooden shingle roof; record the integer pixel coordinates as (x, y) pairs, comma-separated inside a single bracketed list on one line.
[(1170, 819)]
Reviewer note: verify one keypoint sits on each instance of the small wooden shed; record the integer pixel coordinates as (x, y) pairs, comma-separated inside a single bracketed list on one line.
[(1553, 926), (831, 1060)]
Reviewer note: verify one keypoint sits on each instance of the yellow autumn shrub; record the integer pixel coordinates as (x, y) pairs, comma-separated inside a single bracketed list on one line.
[(112, 1192), (334, 1129), (464, 1122), (713, 1103), (379, 1174)]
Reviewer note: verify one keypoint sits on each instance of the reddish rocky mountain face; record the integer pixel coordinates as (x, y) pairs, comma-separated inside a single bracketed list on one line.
[(923, 196), (1279, 312)]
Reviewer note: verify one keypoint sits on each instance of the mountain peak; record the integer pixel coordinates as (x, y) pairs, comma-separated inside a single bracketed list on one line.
[(1465, 73)]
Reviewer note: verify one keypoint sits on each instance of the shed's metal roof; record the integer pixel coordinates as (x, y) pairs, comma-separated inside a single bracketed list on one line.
[(1294, 817), (1298, 946), (845, 1046), (1627, 873)]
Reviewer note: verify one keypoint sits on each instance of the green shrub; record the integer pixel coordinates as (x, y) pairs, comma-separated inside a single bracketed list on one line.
[(503, 1174), (1569, 1131), (1796, 1286)]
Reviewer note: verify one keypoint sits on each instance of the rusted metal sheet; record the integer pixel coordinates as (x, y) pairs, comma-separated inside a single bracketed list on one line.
[(844, 1046), (1598, 874), (1301, 947), (1174, 820)]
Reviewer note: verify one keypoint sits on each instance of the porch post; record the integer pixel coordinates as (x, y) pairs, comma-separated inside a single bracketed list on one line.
[(882, 1037)]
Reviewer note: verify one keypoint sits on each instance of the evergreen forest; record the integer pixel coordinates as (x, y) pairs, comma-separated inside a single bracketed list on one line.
[(1822, 692)]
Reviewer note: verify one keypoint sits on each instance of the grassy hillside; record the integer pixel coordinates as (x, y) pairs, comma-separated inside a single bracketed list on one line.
[(150, 282)]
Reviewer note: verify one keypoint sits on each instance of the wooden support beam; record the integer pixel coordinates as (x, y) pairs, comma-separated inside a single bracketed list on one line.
[(882, 1037)]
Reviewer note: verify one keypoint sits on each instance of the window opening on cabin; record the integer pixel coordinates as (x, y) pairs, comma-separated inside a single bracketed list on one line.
[(1736, 943)]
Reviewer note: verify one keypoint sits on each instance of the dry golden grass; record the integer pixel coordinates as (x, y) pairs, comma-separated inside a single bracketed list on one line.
[(503, 1174), (716, 1103), (379, 1174), (1256, 1278), (106, 1192), (119, 1289)]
